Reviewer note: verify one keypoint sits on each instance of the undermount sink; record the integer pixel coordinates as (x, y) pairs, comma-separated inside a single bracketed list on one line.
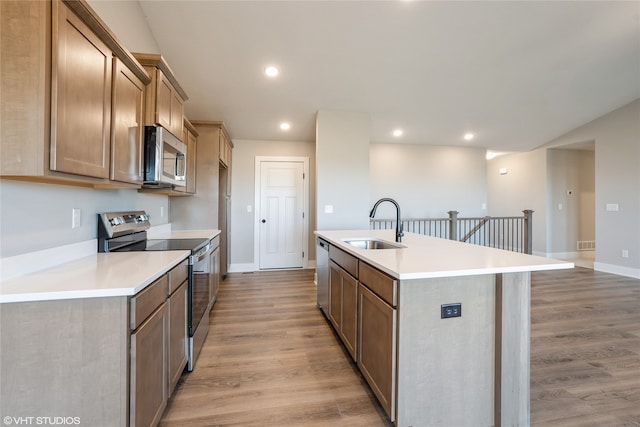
[(373, 244)]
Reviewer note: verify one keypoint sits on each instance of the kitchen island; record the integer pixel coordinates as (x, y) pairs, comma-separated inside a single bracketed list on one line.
[(438, 328)]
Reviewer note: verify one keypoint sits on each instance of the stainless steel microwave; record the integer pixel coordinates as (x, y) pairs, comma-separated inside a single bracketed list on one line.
[(165, 158)]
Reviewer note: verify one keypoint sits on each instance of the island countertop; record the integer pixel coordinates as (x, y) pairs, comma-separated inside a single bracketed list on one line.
[(425, 257), (93, 276)]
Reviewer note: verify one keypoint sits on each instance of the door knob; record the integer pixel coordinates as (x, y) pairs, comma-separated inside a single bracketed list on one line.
[(263, 221)]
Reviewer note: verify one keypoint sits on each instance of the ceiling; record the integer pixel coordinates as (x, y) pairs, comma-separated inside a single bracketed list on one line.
[(517, 74)]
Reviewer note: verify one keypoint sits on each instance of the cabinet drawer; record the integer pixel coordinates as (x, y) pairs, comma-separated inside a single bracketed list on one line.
[(347, 261), (144, 303), (384, 286), (178, 275)]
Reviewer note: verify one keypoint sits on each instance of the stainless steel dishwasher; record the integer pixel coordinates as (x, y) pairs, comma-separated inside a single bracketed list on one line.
[(322, 273)]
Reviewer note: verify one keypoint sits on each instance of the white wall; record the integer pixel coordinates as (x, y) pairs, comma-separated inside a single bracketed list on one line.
[(617, 181), (127, 21), (243, 194), (342, 168), (38, 216), (571, 200), (524, 186), (428, 181)]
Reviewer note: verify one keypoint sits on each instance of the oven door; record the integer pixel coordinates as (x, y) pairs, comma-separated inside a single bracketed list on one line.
[(201, 276)]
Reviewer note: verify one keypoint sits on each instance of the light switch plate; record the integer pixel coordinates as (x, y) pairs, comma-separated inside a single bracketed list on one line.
[(75, 217)]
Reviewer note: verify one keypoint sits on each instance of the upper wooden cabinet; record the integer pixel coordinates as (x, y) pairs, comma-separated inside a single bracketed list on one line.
[(189, 137), (58, 84), (165, 97), (226, 147), (81, 99), (127, 128)]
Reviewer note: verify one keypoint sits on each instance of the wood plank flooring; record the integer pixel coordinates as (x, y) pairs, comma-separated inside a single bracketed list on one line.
[(272, 359), (585, 349)]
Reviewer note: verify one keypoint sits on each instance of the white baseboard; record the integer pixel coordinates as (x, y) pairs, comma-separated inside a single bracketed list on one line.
[(251, 267), (31, 262), (563, 255), (242, 268), (617, 269)]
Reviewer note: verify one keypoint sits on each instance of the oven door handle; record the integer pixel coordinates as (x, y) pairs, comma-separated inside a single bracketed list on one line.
[(201, 255)]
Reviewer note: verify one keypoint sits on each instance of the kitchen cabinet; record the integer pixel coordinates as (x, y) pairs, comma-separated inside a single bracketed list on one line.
[(115, 358), (343, 297), (226, 147), (127, 128), (178, 334), (58, 88), (377, 320), (165, 98), (80, 88), (213, 192), (149, 348)]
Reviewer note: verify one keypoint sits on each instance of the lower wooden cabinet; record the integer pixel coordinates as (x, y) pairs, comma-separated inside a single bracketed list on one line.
[(377, 347), (178, 335), (343, 305), (149, 347)]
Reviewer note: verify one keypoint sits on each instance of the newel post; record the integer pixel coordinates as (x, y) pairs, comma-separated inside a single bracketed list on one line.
[(453, 225), (527, 231)]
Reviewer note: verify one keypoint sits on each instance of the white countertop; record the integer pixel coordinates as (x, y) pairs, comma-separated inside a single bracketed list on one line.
[(99, 275), (430, 257)]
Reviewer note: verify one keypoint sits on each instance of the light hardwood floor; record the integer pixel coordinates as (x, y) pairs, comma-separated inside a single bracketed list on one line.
[(272, 359)]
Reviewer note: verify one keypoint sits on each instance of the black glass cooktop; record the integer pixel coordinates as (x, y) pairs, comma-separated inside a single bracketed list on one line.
[(165, 245)]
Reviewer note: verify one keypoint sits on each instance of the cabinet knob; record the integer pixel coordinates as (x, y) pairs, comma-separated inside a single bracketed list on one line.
[(263, 221)]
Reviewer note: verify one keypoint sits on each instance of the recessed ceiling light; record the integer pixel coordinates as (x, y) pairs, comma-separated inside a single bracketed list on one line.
[(468, 136), (397, 132), (285, 126), (271, 71)]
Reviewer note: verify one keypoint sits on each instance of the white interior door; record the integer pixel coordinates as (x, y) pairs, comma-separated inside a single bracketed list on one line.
[(281, 214)]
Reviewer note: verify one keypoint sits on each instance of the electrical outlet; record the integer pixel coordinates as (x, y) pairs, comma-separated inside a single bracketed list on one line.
[(75, 218), (450, 310), (625, 253), (328, 208)]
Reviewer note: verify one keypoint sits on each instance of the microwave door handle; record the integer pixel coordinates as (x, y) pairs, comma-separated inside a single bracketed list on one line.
[(179, 158)]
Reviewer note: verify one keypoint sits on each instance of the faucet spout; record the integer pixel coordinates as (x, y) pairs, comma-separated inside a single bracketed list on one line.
[(399, 232)]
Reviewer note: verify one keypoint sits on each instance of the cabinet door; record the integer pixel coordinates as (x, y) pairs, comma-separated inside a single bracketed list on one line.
[(177, 114), (81, 99), (127, 125), (377, 347), (164, 98), (191, 163), (169, 105), (335, 295), (148, 386), (177, 335), (349, 326)]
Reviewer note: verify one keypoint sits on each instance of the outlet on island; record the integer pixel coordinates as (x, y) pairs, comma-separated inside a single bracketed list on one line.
[(450, 310)]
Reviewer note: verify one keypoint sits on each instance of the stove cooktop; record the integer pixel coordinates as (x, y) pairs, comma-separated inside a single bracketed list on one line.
[(165, 245)]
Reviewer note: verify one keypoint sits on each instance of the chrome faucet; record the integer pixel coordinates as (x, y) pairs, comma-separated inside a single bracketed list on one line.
[(399, 232)]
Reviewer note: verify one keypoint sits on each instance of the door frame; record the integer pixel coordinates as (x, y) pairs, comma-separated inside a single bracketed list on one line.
[(256, 204)]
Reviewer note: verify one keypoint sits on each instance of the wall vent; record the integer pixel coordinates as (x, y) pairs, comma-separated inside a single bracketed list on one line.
[(586, 245)]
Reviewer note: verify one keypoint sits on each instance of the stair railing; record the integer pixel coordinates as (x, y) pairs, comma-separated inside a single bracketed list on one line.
[(510, 233)]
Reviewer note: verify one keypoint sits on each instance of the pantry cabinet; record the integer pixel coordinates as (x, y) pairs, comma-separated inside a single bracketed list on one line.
[(57, 85), (165, 98)]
